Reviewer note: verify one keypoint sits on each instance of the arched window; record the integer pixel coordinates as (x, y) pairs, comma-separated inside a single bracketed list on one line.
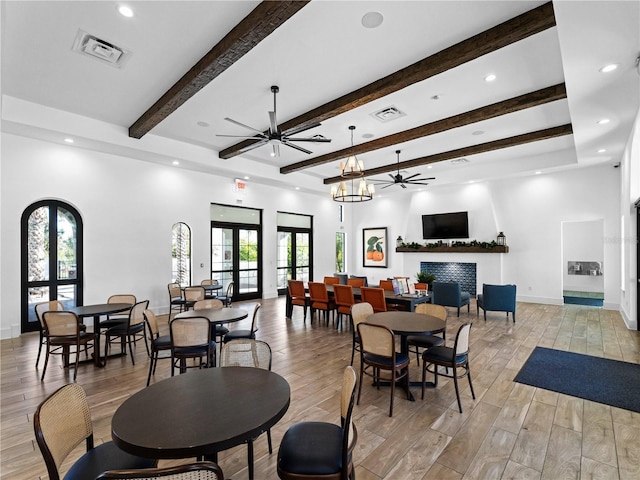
[(51, 258), (181, 254)]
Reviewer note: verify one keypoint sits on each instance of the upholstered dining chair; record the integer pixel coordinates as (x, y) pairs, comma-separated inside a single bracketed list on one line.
[(244, 333), (247, 352), (356, 282), (61, 423), (62, 331), (129, 332), (378, 353), (454, 358), (227, 298), (40, 308), (189, 471), (359, 313), (192, 295), (374, 296), (331, 280), (176, 299), (298, 295), (207, 282), (157, 343), (121, 317), (417, 342), (299, 455), (344, 299), (320, 300), (386, 285), (191, 339)]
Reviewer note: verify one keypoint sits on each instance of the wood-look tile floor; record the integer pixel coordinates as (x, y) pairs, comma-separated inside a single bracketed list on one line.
[(511, 431)]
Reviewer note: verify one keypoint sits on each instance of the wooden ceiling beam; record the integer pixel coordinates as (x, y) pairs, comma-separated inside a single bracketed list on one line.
[(255, 27), (537, 136), (502, 35), (521, 102)]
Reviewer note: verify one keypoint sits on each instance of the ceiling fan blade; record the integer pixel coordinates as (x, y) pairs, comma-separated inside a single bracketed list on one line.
[(392, 177), (273, 122), (387, 186), (297, 147), (243, 125), (411, 176), (256, 137), (415, 182), (307, 139), (403, 185), (294, 130), (422, 179)]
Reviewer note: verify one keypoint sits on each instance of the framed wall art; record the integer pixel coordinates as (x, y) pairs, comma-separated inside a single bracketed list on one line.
[(374, 247)]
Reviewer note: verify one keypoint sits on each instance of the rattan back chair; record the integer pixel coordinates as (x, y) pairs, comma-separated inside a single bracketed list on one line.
[(129, 332), (157, 343), (417, 342), (120, 317), (40, 308), (190, 471), (193, 295), (244, 333), (61, 423), (359, 313), (191, 339)]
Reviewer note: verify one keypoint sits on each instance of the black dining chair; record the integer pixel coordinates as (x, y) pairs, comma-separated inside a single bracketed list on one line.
[(189, 471), (244, 333), (157, 342), (191, 339), (129, 332)]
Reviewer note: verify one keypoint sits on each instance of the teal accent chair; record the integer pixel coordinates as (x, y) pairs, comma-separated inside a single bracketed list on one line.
[(497, 298), (450, 294)]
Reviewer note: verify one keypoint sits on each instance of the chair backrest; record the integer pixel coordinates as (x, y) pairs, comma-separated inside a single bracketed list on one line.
[(296, 289), (355, 282), (343, 295), (254, 317), (209, 281), (447, 293), (374, 296), (347, 400), (190, 471), (136, 314), (499, 297), (461, 347), (193, 294), (331, 280), (362, 277), (229, 293), (377, 339), (421, 286), (432, 309), (45, 307), (318, 292), (61, 323), (386, 285), (360, 312), (245, 352), (174, 291), (208, 303), (61, 423), (152, 323), (190, 332), (122, 298)]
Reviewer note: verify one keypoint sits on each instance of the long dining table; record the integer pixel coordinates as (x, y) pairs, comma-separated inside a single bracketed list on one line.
[(407, 301)]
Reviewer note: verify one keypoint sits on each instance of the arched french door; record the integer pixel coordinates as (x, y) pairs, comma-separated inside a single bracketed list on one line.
[(51, 258)]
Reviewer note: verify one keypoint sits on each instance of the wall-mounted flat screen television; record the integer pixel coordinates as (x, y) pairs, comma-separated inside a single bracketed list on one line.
[(441, 226)]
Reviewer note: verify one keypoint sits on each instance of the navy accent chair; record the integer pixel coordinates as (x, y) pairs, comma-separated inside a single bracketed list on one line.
[(497, 298), (450, 294)]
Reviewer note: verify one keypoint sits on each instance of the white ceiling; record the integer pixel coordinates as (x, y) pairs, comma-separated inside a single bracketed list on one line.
[(321, 53)]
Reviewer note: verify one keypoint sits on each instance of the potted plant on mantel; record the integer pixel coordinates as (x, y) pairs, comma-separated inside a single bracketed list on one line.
[(426, 277)]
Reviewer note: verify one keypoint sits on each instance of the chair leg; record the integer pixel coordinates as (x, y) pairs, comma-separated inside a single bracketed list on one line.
[(250, 457), (473, 394), (151, 367), (393, 387), (75, 370), (129, 341), (46, 361), (359, 383), (40, 347), (455, 383), (269, 441)]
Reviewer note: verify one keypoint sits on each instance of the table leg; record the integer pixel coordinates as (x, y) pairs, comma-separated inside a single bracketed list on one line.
[(96, 349)]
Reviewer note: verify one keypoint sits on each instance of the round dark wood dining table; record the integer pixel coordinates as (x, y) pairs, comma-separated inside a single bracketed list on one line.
[(200, 413), (217, 315)]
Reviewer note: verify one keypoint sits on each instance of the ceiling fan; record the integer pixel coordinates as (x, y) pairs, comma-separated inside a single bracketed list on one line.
[(274, 136), (398, 179)]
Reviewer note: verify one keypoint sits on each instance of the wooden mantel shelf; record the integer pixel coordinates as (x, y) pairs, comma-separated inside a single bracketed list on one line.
[(446, 249)]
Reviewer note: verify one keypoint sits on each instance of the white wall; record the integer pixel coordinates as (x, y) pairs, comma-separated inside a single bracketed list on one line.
[(582, 242), (128, 208)]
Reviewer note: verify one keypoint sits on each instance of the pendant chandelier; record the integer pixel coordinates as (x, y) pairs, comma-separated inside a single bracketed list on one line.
[(351, 170)]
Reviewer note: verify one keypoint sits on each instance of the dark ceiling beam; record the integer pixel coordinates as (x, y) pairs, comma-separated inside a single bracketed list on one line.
[(502, 35), (537, 136), (521, 102), (255, 27)]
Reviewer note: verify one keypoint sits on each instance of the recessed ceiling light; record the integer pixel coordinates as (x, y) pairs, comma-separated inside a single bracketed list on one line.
[(372, 19), (68, 140), (603, 121), (246, 178), (202, 124), (125, 11), (273, 154), (609, 68), (490, 78), (297, 188), (538, 172), (602, 150), (175, 162), (429, 166)]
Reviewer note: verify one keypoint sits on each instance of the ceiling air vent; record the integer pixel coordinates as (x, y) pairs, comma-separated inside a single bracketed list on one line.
[(94, 47), (388, 114)]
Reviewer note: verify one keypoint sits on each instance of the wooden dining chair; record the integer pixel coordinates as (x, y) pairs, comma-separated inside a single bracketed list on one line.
[(417, 342), (176, 299), (344, 299), (208, 282), (129, 332), (356, 282), (374, 296), (191, 339), (359, 313), (378, 353), (189, 471), (331, 280), (386, 285), (322, 450), (298, 295), (192, 295), (219, 330), (320, 300), (157, 342), (40, 308), (245, 333), (121, 317), (227, 298), (454, 358), (62, 332), (61, 423)]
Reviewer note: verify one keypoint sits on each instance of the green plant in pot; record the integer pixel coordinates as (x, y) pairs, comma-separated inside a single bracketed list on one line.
[(425, 277)]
